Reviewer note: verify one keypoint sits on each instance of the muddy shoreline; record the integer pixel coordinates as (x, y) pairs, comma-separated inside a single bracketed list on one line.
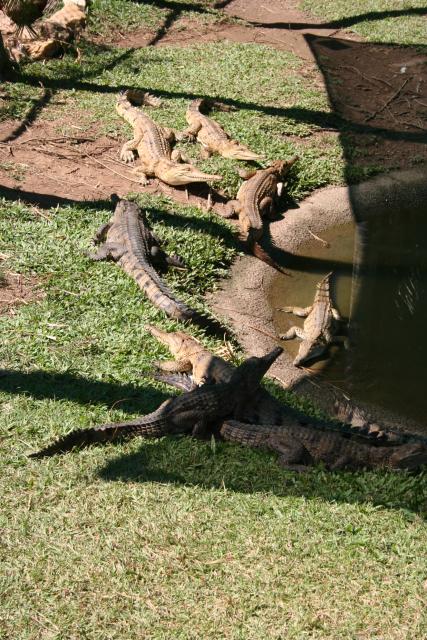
[(242, 302)]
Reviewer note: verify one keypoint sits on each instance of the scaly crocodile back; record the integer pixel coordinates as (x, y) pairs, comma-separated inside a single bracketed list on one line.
[(158, 146), (328, 447), (131, 232)]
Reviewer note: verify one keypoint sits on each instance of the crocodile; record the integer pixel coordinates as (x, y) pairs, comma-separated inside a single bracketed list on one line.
[(211, 135), (128, 240), (300, 446), (195, 412), (196, 365), (153, 145), (255, 199), (191, 357), (320, 325)]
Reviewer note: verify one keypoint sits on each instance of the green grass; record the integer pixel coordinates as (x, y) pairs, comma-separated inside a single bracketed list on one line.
[(171, 538), (174, 538), (410, 29)]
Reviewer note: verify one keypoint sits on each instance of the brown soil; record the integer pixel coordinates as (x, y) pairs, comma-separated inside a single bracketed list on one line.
[(16, 289)]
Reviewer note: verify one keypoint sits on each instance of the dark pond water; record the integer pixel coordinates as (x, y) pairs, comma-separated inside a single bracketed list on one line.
[(380, 286)]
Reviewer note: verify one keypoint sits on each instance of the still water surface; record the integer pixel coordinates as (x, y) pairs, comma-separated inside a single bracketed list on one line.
[(380, 286)]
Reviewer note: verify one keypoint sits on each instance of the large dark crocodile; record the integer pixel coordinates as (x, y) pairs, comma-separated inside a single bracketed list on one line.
[(195, 365), (211, 135), (320, 326), (194, 412), (300, 446), (128, 240)]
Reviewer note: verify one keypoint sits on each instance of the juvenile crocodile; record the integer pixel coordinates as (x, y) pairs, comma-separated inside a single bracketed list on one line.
[(320, 325), (211, 135), (194, 412), (300, 446), (128, 240), (191, 357), (196, 365), (153, 144), (255, 199)]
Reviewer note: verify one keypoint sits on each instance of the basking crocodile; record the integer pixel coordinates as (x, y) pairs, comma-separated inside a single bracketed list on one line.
[(153, 144), (300, 446), (196, 365), (211, 135), (194, 412), (255, 199), (320, 326), (128, 240)]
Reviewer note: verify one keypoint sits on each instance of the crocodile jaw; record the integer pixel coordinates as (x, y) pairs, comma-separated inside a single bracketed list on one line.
[(309, 350), (235, 151), (177, 174)]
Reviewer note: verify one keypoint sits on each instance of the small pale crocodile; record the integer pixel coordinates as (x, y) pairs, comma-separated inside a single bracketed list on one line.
[(211, 135), (191, 357), (128, 240), (153, 145), (195, 412), (255, 199), (320, 326), (300, 446)]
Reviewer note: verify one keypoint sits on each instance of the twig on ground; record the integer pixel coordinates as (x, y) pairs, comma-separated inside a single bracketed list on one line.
[(389, 101), (324, 242)]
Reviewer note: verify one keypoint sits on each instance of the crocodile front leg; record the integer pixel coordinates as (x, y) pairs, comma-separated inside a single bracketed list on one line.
[(232, 208), (174, 366), (178, 156), (301, 312), (293, 332), (205, 153), (129, 150)]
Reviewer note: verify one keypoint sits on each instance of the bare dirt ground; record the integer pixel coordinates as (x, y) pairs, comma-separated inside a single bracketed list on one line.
[(16, 289)]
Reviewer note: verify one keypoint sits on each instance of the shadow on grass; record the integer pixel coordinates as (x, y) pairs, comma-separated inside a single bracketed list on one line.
[(41, 384), (186, 462)]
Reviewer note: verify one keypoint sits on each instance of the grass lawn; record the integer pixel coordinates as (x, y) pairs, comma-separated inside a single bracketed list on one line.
[(175, 538), (399, 21)]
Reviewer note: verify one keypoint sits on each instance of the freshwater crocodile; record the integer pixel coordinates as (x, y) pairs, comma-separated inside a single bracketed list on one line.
[(196, 365), (153, 144), (300, 446), (191, 357), (128, 240), (320, 325), (194, 412), (255, 199), (211, 135)]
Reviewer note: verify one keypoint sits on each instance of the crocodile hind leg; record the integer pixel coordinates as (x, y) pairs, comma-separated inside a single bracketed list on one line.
[(231, 209), (266, 207), (107, 251), (178, 156), (189, 134), (293, 454), (101, 234), (293, 332)]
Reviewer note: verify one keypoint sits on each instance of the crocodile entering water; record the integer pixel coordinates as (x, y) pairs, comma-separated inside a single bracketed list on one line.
[(380, 285)]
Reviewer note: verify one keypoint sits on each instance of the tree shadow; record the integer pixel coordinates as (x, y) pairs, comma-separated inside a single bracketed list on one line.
[(39, 385), (345, 23), (184, 462)]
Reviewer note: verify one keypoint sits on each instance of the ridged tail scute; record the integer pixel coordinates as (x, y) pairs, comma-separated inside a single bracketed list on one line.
[(150, 426)]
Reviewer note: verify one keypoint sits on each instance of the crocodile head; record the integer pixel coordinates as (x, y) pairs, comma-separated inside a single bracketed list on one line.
[(176, 173), (179, 343), (251, 372), (309, 350), (281, 167), (236, 151)]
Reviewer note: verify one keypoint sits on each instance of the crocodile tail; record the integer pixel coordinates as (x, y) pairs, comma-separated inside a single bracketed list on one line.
[(255, 248), (245, 434), (111, 432)]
